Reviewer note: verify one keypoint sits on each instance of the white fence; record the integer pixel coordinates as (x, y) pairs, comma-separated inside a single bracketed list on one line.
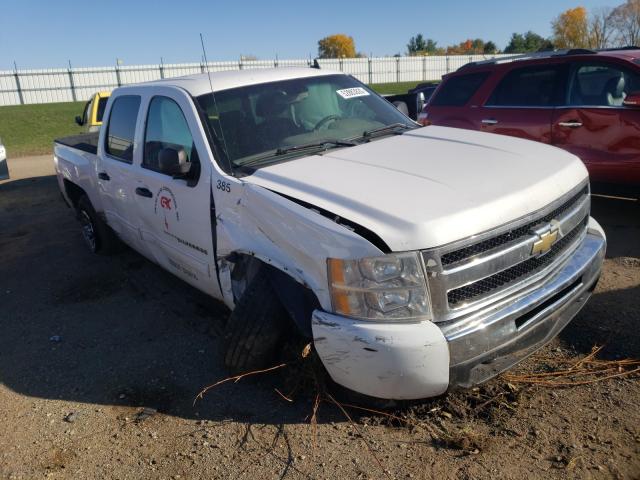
[(74, 84)]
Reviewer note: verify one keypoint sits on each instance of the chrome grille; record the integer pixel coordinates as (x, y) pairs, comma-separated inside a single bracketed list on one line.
[(508, 276), (496, 266), (511, 235)]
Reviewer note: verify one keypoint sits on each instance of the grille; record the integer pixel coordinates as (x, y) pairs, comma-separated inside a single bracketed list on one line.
[(505, 277), (511, 235)]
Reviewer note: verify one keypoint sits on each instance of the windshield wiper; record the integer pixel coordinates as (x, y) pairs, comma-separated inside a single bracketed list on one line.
[(395, 128), (324, 145)]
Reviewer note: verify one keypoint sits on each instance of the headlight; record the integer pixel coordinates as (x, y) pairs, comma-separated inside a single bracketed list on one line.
[(385, 288)]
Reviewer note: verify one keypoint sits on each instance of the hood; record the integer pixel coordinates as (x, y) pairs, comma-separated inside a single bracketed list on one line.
[(430, 186)]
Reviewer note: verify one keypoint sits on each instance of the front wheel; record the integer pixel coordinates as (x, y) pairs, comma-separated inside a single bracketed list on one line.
[(256, 327)]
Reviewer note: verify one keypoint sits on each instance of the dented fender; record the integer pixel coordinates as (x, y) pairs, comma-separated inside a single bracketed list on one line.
[(286, 235)]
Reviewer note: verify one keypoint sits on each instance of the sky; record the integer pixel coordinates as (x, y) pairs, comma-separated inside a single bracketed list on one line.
[(49, 33)]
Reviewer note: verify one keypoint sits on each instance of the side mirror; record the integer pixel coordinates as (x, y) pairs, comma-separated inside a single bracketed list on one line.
[(173, 161), (632, 100), (79, 120)]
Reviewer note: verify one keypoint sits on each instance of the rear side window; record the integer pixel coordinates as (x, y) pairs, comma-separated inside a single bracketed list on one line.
[(458, 90), (122, 127), (527, 87)]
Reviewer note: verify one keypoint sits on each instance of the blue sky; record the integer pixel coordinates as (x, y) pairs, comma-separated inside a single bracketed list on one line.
[(47, 33)]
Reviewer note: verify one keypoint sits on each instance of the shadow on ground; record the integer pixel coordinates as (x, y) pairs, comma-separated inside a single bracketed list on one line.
[(121, 331)]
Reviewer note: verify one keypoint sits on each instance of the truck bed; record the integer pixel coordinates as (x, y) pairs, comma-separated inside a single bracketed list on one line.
[(87, 142)]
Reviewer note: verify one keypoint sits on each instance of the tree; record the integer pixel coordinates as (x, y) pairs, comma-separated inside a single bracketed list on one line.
[(337, 46), (528, 42), (490, 48), (600, 27), (626, 20), (419, 45), (571, 29)]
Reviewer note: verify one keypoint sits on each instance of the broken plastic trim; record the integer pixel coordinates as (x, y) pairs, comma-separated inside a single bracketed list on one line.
[(359, 229)]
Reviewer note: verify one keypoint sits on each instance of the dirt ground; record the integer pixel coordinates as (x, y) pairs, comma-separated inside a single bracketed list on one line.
[(88, 342)]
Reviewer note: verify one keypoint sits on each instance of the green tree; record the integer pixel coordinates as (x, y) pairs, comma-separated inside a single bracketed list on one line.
[(419, 45), (490, 48), (528, 42), (337, 46)]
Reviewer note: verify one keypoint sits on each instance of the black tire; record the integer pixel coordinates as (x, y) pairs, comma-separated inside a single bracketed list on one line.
[(96, 234), (255, 330)]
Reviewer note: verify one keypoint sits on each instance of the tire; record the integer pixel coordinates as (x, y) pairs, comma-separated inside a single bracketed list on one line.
[(96, 233), (255, 330)]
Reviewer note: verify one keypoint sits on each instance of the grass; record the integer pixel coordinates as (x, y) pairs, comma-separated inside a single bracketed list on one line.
[(31, 129)]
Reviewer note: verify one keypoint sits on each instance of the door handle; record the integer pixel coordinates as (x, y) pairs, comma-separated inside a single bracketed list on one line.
[(144, 192), (489, 121), (104, 176), (571, 124)]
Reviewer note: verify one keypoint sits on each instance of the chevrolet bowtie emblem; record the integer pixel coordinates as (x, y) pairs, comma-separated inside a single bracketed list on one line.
[(546, 241)]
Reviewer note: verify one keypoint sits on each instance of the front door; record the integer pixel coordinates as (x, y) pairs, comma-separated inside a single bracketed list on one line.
[(174, 192), (596, 126)]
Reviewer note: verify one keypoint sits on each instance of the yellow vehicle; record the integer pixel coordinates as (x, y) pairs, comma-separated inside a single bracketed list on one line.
[(93, 111)]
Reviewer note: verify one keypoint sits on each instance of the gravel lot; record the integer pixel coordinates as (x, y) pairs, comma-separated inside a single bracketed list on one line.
[(87, 342)]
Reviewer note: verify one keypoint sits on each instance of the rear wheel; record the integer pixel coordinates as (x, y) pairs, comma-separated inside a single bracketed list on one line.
[(256, 327), (96, 233)]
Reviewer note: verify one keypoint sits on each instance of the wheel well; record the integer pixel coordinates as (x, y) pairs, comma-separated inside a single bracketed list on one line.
[(73, 191), (299, 300)]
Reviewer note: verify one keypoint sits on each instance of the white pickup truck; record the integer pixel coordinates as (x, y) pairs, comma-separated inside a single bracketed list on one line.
[(417, 259)]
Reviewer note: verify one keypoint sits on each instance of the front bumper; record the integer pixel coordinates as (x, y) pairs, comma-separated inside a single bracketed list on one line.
[(419, 360)]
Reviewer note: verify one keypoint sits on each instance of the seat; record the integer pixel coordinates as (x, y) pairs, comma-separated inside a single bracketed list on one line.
[(614, 93), (275, 127)]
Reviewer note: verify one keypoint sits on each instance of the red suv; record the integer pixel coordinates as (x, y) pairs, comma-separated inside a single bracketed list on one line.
[(585, 101)]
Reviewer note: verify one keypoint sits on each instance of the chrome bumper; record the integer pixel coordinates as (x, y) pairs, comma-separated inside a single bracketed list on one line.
[(496, 338)]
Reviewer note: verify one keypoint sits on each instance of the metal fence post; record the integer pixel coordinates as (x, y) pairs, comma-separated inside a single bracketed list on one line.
[(397, 69), (17, 77), (118, 76), (161, 68), (73, 87), (448, 70), (369, 68), (240, 63), (424, 68), (275, 62), (340, 60)]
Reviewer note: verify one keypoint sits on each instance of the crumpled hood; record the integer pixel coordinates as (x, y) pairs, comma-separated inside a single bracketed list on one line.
[(430, 186)]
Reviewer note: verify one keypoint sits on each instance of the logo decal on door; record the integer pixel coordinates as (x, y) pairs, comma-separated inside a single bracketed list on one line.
[(166, 203)]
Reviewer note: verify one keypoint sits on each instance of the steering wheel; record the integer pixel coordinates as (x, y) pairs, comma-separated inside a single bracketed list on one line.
[(326, 120)]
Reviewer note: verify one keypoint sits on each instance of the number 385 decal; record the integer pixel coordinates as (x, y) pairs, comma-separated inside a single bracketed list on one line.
[(224, 186)]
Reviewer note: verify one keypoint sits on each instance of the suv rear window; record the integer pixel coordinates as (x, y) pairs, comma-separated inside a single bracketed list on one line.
[(527, 87), (458, 90)]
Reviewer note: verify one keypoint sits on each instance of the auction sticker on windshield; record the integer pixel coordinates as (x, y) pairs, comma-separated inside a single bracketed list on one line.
[(348, 93)]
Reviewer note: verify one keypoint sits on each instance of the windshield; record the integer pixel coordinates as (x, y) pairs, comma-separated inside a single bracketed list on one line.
[(263, 122)]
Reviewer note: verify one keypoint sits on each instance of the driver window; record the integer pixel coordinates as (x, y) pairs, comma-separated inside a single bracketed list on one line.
[(167, 129)]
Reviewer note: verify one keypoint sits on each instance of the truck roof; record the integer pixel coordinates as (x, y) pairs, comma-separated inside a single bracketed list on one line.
[(198, 84)]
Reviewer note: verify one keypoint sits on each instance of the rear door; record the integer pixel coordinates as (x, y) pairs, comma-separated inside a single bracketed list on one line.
[(596, 126), (174, 210), (116, 171), (523, 102)]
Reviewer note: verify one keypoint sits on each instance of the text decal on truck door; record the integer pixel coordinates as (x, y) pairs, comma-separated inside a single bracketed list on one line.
[(167, 202), (224, 186)]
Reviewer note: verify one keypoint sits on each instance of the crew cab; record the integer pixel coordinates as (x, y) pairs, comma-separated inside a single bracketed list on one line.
[(584, 101), (414, 259), (93, 112)]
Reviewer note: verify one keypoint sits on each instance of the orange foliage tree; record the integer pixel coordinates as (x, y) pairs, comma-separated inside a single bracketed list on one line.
[(337, 46), (571, 29)]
